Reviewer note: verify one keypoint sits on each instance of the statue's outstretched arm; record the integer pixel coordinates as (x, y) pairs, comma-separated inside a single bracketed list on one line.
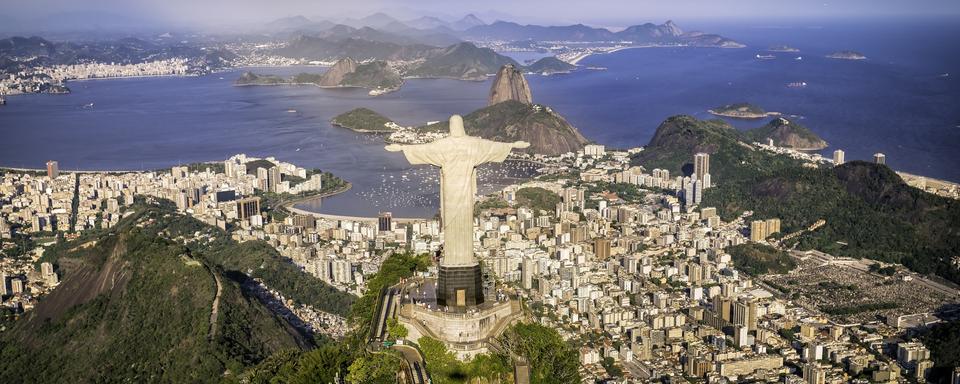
[(520, 144)]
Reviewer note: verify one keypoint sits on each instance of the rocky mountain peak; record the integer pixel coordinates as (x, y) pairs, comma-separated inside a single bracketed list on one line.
[(510, 85)]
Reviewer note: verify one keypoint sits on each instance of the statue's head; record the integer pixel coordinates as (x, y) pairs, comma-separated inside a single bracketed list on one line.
[(456, 126)]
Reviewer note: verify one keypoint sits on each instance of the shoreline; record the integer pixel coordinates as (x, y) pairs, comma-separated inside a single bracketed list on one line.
[(752, 116), (289, 206)]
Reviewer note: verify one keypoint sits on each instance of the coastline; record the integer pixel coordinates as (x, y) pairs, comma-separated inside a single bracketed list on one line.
[(290, 207), (752, 116)]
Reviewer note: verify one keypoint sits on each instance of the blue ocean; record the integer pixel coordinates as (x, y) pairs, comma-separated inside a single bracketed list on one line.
[(904, 101)]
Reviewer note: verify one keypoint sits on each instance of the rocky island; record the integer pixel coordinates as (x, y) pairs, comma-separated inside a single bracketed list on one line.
[(787, 133), (365, 121), (742, 111), (377, 76), (847, 55), (549, 66)]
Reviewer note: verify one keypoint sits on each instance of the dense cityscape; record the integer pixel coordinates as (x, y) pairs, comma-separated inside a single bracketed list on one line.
[(526, 193)]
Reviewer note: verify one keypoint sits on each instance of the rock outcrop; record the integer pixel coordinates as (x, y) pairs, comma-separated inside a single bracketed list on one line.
[(335, 75), (510, 85)]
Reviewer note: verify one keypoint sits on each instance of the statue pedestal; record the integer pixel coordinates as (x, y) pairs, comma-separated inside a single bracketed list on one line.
[(460, 286), (466, 331)]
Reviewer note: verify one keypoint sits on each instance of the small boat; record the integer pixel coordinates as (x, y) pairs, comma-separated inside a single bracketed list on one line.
[(766, 57), (797, 84), (3, 101), (291, 111), (298, 150), (944, 75), (798, 58), (88, 106)]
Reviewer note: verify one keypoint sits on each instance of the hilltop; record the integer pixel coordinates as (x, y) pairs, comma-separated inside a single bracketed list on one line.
[(906, 225), (509, 85), (461, 61), (136, 306), (547, 132), (550, 65), (787, 133), (362, 120)]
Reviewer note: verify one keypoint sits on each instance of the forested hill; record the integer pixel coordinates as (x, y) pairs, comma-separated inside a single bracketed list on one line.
[(870, 212), (136, 306)]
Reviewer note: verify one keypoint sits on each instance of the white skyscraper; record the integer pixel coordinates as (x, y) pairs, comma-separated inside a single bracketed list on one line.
[(838, 157)]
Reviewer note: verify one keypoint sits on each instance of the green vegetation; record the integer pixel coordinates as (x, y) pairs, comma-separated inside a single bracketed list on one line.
[(842, 310), (626, 191), (396, 330), (538, 199), (322, 364), (445, 368), (549, 65), (740, 108), (943, 340), (786, 133), (489, 203), (362, 120), (610, 366), (887, 271), (869, 211), (758, 259), (160, 292), (461, 61), (250, 78), (552, 360), (547, 132), (374, 75)]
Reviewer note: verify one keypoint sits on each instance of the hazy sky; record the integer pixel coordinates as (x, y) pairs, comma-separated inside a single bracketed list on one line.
[(206, 13)]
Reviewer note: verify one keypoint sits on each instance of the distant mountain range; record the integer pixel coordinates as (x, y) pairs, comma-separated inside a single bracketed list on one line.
[(471, 28)]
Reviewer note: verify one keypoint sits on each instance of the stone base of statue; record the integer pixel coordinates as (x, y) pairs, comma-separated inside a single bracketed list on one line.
[(460, 286), (465, 331)]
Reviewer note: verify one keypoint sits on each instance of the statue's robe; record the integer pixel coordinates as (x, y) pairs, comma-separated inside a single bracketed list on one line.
[(457, 158)]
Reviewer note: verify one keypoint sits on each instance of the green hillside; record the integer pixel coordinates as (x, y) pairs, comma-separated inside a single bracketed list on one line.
[(134, 306), (869, 211), (362, 120)]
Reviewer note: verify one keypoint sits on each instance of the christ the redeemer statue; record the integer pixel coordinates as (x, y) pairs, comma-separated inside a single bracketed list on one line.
[(458, 155)]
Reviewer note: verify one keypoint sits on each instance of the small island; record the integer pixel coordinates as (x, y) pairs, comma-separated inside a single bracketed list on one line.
[(847, 55), (783, 48), (365, 121), (742, 111), (550, 66)]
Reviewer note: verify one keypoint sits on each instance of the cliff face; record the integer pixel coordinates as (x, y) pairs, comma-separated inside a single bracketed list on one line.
[(510, 85), (335, 75)]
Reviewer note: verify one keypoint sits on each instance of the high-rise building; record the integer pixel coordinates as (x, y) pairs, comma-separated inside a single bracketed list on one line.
[(838, 157), (772, 226), (758, 230), (385, 221), (53, 169), (701, 165), (248, 207), (273, 179), (601, 248), (813, 374), (879, 158)]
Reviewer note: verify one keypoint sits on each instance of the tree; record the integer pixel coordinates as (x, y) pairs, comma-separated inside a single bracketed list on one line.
[(374, 368), (396, 330)]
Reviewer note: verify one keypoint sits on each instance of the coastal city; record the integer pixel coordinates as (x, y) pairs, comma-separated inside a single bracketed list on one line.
[(497, 192), (622, 260)]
